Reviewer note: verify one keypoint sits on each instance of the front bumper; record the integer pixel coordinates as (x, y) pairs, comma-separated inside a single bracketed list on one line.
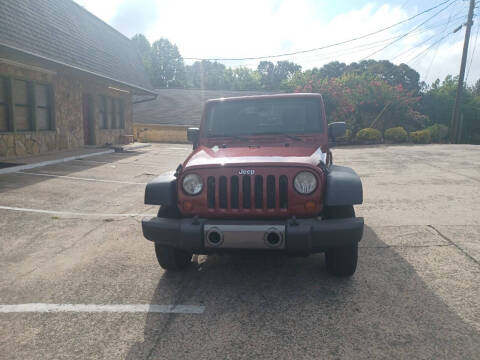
[(301, 235)]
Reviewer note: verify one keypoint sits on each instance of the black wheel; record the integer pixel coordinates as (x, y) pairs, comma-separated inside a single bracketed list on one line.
[(172, 259), (341, 261), (168, 257)]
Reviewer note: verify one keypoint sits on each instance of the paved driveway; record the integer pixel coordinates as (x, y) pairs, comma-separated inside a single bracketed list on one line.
[(70, 234)]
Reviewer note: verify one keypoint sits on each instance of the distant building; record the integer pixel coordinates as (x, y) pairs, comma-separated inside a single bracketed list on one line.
[(67, 79), (180, 106)]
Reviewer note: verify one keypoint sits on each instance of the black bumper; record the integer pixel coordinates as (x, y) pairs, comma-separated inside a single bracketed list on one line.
[(301, 235)]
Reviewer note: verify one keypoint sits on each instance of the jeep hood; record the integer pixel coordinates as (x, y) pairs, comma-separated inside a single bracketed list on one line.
[(241, 155)]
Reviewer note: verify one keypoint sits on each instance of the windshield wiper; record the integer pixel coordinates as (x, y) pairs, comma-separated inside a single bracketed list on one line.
[(230, 136), (292, 137)]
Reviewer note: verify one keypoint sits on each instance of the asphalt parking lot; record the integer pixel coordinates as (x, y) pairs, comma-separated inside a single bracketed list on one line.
[(70, 234)]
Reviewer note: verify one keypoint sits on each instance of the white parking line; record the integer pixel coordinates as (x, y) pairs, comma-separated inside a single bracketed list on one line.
[(54, 212), (52, 162), (82, 178), (95, 308)]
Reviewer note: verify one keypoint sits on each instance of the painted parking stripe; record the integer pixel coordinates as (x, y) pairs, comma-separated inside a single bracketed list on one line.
[(101, 308), (52, 162), (69, 213), (82, 178)]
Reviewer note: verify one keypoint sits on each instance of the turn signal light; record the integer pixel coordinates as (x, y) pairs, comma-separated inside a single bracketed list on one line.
[(187, 205), (310, 206)]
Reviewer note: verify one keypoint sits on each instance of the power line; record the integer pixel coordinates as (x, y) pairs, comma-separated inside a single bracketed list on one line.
[(406, 34), (436, 50), (413, 48), (362, 47), (323, 47), (418, 31), (473, 52), (428, 48)]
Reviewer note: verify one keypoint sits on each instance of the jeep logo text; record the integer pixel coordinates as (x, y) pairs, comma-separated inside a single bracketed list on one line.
[(246, 172)]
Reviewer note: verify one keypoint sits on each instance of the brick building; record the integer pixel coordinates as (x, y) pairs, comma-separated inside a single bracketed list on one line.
[(67, 79)]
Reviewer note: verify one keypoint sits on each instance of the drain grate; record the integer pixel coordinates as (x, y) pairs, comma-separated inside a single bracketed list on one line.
[(8, 164)]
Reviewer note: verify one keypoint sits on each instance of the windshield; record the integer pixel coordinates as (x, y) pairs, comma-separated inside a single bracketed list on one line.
[(264, 116)]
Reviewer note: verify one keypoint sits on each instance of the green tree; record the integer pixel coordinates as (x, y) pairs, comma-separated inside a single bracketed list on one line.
[(209, 75), (384, 70), (476, 88), (244, 78), (168, 69), (438, 104), (142, 45), (333, 69), (276, 76), (266, 71)]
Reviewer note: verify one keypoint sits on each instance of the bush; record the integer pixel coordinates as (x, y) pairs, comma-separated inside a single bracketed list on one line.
[(438, 132), (369, 135), (421, 137), (396, 134)]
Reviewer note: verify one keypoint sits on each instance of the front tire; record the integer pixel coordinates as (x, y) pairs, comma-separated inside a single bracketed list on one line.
[(341, 261), (168, 257), (172, 259)]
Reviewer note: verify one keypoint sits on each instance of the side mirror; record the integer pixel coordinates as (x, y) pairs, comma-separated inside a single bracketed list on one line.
[(193, 135), (336, 129)]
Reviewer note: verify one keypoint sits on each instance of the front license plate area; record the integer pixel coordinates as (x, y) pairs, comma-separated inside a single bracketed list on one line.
[(251, 236)]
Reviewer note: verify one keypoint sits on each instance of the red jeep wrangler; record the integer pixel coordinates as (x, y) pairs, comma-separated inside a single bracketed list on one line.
[(260, 177)]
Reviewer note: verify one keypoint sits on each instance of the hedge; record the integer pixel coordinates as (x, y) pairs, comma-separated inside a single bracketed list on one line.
[(369, 135), (421, 137), (396, 134), (438, 132)]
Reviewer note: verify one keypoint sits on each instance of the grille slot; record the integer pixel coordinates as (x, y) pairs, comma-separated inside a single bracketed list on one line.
[(234, 190), (270, 191), (258, 192), (247, 192), (211, 192), (283, 192), (246, 189), (222, 192)]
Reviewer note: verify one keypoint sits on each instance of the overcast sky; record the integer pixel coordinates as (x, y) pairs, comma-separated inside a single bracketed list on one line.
[(250, 28)]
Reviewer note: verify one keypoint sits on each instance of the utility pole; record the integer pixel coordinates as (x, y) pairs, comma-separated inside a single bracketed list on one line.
[(454, 129)]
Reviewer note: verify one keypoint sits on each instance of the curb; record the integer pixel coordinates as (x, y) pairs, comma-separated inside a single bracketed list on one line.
[(125, 148), (18, 168)]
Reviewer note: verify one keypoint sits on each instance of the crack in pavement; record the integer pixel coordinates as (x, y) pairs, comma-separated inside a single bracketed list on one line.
[(454, 244)]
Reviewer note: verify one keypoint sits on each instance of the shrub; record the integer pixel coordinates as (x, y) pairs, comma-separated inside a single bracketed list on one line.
[(369, 135), (421, 137), (438, 132), (396, 134)]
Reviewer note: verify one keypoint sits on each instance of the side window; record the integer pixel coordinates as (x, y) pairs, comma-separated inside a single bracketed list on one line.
[(119, 113), (103, 112), (113, 113), (43, 103), (23, 105), (4, 113), (108, 109)]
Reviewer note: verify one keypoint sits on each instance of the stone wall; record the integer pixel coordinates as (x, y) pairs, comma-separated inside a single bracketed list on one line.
[(160, 133), (68, 89)]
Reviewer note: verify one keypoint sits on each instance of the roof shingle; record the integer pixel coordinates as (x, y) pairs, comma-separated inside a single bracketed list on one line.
[(180, 106), (64, 32)]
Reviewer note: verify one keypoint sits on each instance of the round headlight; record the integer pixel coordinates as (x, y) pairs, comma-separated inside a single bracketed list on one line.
[(305, 182), (192, 184)]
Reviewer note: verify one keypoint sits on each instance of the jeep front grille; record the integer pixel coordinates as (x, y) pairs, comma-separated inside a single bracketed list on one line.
[(247, 191)]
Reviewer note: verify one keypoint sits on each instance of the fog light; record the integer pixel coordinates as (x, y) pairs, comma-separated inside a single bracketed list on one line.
[(187, 205), (310, 205)]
